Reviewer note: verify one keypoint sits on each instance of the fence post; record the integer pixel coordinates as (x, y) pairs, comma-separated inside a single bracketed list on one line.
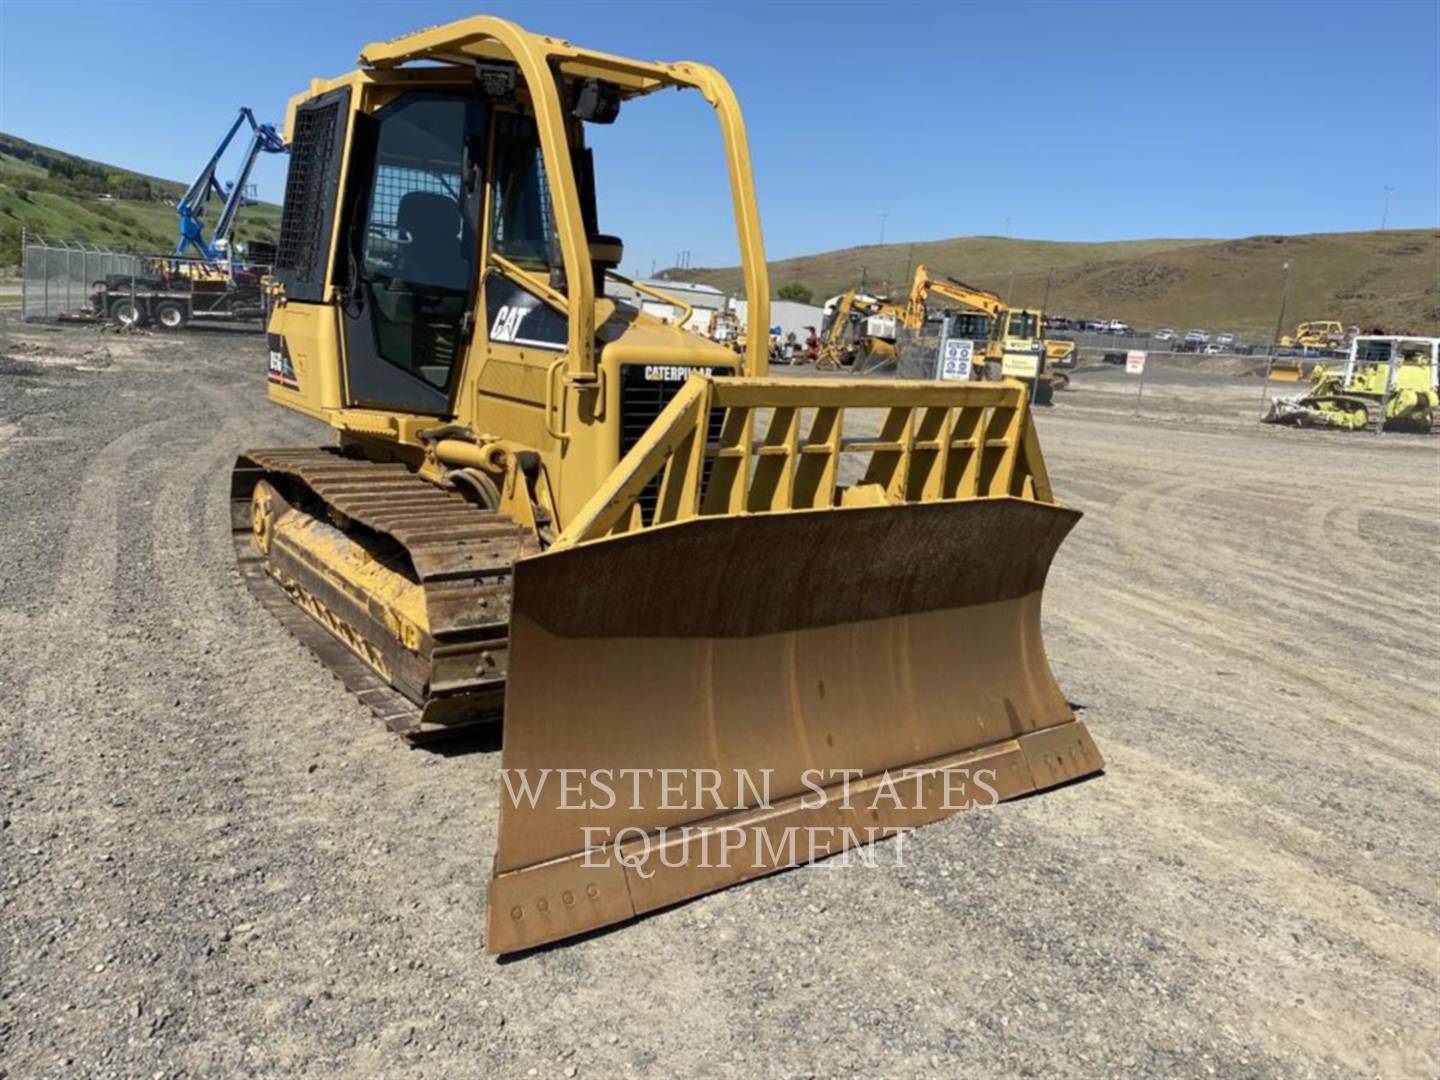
[(24, 272), (944, 337), (1389, 386), (1265, 382)]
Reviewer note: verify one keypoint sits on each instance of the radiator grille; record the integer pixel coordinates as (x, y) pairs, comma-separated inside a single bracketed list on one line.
[(641, 400)]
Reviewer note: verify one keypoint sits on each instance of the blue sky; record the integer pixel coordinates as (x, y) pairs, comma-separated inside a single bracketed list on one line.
[(1080, 121)]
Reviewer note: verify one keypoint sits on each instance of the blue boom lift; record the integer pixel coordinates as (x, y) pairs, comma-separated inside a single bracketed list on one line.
[(191, 208)]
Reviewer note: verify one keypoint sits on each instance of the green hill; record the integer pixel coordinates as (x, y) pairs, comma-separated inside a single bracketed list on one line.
[(59, 196), (1389, 279)]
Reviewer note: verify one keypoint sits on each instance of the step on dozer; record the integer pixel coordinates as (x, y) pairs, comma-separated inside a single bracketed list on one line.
[(732, 623)]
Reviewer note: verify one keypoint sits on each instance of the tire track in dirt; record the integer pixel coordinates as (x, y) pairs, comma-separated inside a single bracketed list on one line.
[(1244, 856), (371, 844), (1167, 500), (1236, 635), (62, 731), (1288, 594), (1130, 644)]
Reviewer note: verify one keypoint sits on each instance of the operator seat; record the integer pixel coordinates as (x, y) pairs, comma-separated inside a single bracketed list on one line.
[(436, 241)]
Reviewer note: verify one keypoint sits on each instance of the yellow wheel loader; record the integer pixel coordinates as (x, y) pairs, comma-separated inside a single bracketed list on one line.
[(629, 540)]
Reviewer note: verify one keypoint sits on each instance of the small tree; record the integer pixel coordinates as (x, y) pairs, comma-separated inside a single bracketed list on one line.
[(796, 292)]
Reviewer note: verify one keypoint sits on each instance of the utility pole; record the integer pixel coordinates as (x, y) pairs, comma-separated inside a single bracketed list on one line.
[(1275, 340), (1045, 304), (862, 278), (1385, 216), (882, 227), (909, 261), (1007, 228), (1284, 298)]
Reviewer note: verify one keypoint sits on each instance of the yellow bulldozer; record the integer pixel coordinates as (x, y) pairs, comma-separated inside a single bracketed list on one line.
[(1321, 335), (1317, 334), (1387, 382), (545, 508)]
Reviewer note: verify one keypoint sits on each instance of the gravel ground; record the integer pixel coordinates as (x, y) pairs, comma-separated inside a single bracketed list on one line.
[(216, 863)]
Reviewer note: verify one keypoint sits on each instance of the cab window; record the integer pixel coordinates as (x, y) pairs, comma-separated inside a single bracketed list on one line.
[(1022, 325), (522, 224)]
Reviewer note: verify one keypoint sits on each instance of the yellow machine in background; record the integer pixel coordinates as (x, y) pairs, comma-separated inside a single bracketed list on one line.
[(726, 330), (1319, 334), (1387, 380), (857, 328), (864, 331), (1015, 347), (633, 537)]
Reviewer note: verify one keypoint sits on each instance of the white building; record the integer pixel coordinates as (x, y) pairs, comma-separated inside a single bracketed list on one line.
[(790, 317), (705, 300)]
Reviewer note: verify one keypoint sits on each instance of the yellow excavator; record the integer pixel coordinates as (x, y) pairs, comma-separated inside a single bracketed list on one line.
[(1014, 346), (857, 327), (629, 545)]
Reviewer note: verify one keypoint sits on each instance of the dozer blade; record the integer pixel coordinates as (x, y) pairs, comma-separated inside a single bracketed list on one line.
[(695, 705)]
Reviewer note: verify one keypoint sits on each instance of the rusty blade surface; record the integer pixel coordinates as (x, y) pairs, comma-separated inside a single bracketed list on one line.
[(785, 655)]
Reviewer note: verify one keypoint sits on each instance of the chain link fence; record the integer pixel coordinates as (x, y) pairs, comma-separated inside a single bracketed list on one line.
[(58, 278), (76, 280)]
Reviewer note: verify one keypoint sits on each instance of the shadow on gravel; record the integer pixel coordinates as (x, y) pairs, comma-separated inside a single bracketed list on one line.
[(1042, 793), (480, 739), (589, 935)]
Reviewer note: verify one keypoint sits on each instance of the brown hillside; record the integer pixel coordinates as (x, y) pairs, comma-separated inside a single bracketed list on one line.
[(1388, 278)]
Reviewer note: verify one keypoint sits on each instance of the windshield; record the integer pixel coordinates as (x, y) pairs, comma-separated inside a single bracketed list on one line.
[(1023, 324), (967, 324), (1373, 352)]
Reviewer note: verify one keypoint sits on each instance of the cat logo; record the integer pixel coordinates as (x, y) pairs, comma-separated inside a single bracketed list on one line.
[(507, 323)]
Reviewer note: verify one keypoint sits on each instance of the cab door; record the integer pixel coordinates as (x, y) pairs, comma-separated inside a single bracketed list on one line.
[(524, 332), (412, 250)]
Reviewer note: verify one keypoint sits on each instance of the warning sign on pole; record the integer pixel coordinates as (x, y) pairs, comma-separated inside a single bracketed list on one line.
[(1135, 362), (956, 357)]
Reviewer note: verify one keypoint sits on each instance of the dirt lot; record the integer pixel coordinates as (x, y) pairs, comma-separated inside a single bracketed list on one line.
[(214, 862)]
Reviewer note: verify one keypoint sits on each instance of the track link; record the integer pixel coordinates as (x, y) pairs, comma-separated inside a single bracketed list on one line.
[(461, 555)]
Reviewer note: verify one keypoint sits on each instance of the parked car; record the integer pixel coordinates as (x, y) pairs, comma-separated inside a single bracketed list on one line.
[(1095, 326), (1226, 339), (1115, 326), (1214, 348), (1163, 335), (1197, 337)]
